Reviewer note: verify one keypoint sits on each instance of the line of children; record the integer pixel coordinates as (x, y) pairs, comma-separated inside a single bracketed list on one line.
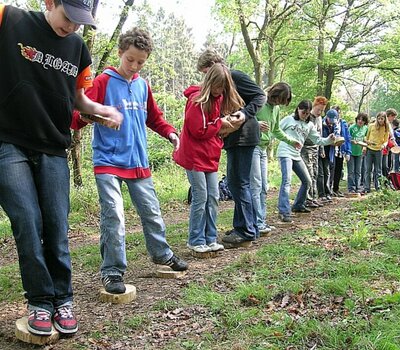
[(38, 203)]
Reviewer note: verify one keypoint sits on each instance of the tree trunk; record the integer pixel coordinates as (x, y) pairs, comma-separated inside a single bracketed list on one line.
[(115, 35), (254, 52), (320, 70), (271, 62), (330, 77)]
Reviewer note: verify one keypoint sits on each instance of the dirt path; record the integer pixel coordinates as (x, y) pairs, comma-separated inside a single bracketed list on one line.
[(161, 325)]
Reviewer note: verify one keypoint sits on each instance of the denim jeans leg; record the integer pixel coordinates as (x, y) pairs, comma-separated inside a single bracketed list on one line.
[(363, 170), (320, 178), (302, 173), (357, 172), (396, 163), (368, 170), (377, 168), (351, 176), (264, 185), (258, 188), (212, 207), (239, 161), (34, 193), (284, 191), (112, 225), (198, 213), (143, 196)]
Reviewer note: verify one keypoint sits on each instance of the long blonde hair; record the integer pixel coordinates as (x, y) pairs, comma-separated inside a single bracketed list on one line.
[(382, 114), (219, 76)]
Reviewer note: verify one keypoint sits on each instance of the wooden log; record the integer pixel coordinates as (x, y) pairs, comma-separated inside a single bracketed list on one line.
[(124, 298), (244, 244), (352, 195), (22, 333), (206, 255), (163, 271)]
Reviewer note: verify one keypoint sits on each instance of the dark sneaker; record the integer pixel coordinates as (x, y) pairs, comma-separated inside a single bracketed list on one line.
[(233, 238), (177, 264), (285, 218), (311, 204), (113, 284), (64, 320), (318, 204), (338, 194), (301, 210), (39, 322), (328, 198)]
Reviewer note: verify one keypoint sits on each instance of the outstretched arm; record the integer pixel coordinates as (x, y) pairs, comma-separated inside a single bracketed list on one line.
[(85, 105)]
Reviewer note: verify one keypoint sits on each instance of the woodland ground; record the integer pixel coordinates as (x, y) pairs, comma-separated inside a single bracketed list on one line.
[(155, 319)]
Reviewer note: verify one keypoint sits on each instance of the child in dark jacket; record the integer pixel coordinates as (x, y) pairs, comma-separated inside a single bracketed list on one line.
[(200, 151), (338, 154), (44, 69)]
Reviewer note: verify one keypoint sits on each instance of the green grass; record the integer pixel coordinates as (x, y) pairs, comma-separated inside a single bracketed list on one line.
[(10, 283), (339, 290)]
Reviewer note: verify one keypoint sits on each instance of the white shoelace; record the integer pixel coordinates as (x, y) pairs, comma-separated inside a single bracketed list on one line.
[(40, 315), (65, 312)]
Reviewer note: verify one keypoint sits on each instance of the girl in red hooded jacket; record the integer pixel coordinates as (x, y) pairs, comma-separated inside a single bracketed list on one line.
[(207, 111)]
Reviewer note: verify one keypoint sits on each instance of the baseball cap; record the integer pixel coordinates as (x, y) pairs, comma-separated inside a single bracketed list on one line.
[(332, 114), (79, 11)]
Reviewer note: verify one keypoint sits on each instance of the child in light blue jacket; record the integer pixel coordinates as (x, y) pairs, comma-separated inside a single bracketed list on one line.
[(297, 127)]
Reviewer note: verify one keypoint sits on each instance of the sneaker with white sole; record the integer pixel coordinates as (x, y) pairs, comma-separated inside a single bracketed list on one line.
[(176, 263), (39, 322), (266, 229), (64, 320), (113, 284), (202, 248), (215, 246)]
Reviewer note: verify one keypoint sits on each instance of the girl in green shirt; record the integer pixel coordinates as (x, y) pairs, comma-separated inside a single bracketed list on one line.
[(357, 131)]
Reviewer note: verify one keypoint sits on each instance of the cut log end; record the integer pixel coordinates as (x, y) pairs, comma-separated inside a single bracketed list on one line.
[(166, 272), (124, 298), (206, 255), (22, 333)]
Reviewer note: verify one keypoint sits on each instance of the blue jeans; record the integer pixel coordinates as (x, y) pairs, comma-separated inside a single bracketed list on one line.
[(396, 162), (354, 173), (300, 169), (204, 207), (372, 159), (34, 193), (259, 184), (112, 222), (323, 178), (239, 161)]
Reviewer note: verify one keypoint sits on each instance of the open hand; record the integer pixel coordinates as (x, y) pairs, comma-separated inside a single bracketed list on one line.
[(264, 126)]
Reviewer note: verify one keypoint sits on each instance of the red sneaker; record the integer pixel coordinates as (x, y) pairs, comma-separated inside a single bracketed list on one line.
[(39, 322), (64, 320)]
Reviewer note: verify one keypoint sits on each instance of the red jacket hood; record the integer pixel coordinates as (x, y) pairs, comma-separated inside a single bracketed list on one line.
[(191, 90)]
